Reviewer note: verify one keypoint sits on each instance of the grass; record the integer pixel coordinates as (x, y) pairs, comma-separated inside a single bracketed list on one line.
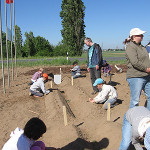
[(58, 61), (113, 53)]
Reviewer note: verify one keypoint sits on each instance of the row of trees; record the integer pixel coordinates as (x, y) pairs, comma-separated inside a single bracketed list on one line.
[(73, 34)]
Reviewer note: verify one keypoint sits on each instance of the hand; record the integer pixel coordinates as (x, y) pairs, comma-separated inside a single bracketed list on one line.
[(97, 67), (148, 70), (91, 100), (88, 69)]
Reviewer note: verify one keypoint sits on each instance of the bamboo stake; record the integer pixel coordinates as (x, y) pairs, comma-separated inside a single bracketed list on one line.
[(65, 116), (60, 70), (108, 112), (7, 43), (15, 37), (51, 83), (72, 80), (2, 50), (34, 112), (11, 43)]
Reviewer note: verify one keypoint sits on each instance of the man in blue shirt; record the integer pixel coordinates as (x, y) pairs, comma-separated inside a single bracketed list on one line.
[(95, 61)]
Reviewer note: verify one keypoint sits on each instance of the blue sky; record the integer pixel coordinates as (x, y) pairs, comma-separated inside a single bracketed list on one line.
[(108, 22)]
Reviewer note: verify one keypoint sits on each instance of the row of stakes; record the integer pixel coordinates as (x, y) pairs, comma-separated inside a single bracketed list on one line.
[(64, 107)]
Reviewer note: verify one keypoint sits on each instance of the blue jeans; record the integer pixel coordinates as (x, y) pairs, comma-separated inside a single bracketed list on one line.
[(136, 86), (126, 134), (74, 75), (111, 101)]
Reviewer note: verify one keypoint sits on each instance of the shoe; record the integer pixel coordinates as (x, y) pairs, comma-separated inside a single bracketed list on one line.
[(30, 94), (94, 92)]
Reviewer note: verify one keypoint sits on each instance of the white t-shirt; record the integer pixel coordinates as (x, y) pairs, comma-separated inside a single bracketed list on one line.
[(18, 141)]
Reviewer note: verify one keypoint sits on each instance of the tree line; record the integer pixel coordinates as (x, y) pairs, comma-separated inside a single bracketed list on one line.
[(72, 15)]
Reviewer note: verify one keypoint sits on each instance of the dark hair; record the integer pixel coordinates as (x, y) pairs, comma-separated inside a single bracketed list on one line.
[(34, 128), (127, 40), (75, 62)]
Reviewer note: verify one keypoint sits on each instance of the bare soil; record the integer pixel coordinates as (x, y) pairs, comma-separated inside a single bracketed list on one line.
[(88, 129)]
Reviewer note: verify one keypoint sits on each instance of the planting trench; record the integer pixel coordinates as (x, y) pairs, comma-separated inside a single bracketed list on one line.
[(85, 120)]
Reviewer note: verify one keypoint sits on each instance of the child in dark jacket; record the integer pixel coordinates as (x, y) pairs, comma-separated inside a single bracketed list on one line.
[(106, 68), (76, 72)]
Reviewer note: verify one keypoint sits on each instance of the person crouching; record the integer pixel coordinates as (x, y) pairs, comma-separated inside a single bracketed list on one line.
[(37, 89), (107, 94)]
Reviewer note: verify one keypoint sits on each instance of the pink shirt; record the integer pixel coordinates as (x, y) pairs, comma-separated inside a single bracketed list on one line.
[(36, 76)]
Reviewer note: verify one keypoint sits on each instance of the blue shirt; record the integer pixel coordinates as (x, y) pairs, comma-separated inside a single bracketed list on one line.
[(90, 56)]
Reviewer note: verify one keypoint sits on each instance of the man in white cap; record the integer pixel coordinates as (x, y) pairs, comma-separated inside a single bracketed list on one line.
[(138, 77), (107, 94), (139, 120)]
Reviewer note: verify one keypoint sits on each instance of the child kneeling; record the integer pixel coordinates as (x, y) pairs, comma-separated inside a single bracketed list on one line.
[(75, 72), (107, 94), (37, 89)]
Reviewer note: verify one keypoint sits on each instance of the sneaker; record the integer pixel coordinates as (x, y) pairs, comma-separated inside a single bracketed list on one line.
[(30, 94), (94, 92)]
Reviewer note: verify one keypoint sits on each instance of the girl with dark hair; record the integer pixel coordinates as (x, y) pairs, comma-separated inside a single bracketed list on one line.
[(25, 139)]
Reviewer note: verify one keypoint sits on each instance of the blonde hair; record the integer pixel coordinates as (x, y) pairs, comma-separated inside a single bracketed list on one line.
[(41, 69)]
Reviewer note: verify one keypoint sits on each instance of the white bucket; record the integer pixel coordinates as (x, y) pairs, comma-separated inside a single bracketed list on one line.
[(57, 78)]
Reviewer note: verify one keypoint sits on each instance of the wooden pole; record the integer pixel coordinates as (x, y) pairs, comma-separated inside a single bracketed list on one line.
[(15, 37), (65, 116), (60, 70), (7, 44), (51, 83), (11, 42), (72, 80), (2, 50), (108, 112)]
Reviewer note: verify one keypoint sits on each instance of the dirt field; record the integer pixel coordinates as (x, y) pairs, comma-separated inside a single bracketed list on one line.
[(87, 127)]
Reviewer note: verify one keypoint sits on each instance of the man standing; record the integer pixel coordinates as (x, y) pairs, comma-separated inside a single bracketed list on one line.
[(95, 61)]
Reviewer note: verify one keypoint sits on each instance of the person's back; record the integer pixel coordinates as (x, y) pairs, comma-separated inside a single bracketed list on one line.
[(139, 118), (36, 86), (109, 91), (24, 139), (37, 75), (18, 141), (105, 93)]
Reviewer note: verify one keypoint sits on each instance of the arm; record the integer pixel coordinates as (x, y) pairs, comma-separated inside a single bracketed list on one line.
[(43, 88)]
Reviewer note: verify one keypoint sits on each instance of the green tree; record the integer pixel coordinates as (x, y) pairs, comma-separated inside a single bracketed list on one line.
[(43, 47), (18, 40), (29, 48), (73, 33), (4, 44), (59, 50)]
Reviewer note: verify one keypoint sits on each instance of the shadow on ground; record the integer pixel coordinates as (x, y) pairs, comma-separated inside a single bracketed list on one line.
[(81, 144)]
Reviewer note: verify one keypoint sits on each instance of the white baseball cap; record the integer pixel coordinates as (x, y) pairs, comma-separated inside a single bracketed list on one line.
[(136, 31)]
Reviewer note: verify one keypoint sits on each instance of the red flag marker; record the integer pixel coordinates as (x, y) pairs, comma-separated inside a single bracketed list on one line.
[(8, 1)]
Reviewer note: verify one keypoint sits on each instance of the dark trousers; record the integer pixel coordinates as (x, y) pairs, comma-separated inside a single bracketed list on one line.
[(94, 74)]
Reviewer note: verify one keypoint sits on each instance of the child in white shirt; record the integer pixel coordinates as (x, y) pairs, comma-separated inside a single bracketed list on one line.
[(37, 89), (107, 94)]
